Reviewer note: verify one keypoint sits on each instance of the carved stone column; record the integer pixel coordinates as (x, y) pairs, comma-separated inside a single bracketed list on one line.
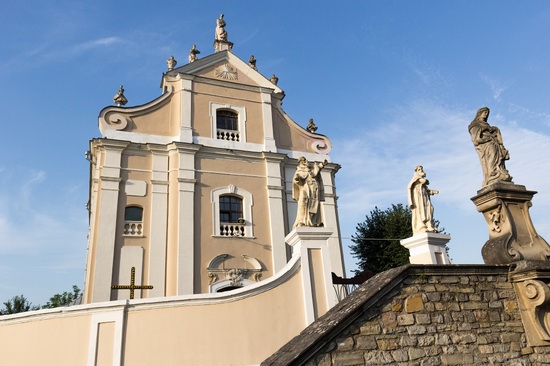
[(512, 236)]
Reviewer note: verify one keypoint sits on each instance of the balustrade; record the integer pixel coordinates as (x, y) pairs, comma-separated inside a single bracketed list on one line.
[(228, 229), (229, 135), (133, 228)]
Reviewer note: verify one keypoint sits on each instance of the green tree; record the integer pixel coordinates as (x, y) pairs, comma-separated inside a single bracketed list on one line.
[(64, 299), (18, 304), (376, 241)]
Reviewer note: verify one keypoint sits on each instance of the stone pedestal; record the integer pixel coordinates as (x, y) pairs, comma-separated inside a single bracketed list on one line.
[(223, 45), (531, 281), (512, 236), (311, 244), (427, 248)]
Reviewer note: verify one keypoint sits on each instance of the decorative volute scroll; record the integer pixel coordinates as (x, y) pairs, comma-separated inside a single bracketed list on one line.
[(531, 281), (313, 142), (120, 119), (512, 236)]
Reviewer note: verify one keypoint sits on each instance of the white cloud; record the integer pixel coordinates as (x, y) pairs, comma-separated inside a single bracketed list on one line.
[(497, 87), (101, 42)]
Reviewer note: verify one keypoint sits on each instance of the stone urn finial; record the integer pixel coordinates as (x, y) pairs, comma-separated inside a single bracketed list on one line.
[(171, 63), (119, 98), (311, 127)]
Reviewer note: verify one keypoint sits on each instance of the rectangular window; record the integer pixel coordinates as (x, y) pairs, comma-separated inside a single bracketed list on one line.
[(231, 209)]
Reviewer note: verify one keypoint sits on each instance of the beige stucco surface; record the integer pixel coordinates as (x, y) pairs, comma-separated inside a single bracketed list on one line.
[(223, 330), (42, 341), (234, 333), (247, 175), (204, 94)]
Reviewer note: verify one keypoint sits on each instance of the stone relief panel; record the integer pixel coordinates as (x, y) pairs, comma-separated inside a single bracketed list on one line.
[(226, 270), (227, 72)]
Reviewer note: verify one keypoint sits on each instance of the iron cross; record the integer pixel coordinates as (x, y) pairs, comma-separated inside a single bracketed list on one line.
[(132, 285)]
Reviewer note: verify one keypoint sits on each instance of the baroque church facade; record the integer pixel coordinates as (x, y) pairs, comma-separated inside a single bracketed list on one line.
[(194, 189), (213, 229)]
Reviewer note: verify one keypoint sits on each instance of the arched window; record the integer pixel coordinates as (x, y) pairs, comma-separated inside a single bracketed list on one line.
[(133, 221)]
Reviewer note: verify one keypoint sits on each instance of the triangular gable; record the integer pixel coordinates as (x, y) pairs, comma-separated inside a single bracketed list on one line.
[(245, 74)]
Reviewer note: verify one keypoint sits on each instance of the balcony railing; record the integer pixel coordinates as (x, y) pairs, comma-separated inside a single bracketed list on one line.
[(231, 229), (229, 135), (133, 228)]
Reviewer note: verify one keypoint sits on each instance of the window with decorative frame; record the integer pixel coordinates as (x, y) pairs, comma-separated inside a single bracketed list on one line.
[(133, 221), (227, 125), (232, 212), (228, 122)]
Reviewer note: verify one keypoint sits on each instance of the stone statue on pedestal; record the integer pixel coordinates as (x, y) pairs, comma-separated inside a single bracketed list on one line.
[(307, 190), (420, 203), (252, 62), (220, 42), (221, 33), (488, 143), (193, 52)]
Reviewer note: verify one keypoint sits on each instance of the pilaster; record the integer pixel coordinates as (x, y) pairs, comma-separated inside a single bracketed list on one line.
[(275, 194), (109, 185), (186, 100), (311, 244), (267, 117), (185, 268), (158, 220), (330, 218)]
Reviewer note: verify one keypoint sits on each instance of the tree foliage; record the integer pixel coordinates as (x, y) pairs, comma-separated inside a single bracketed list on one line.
[(18, 304), (380, 255), (64, 299)]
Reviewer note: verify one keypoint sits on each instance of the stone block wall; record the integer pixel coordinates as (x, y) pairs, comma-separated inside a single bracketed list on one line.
[(467, 316)]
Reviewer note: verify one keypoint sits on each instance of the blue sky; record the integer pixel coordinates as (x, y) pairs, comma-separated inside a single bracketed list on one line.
[(393, 83)]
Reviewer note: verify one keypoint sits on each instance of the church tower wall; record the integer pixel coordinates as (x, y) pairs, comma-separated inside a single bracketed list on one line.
[(194, 189)]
